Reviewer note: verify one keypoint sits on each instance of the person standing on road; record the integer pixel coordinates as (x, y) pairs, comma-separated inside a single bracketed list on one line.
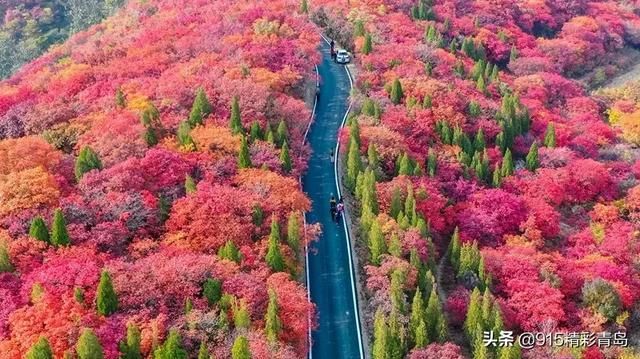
[(339, 210), (333, 207), (333, 49)]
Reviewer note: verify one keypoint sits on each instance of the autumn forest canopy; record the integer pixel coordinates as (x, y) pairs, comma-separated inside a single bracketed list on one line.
[(149, 161)]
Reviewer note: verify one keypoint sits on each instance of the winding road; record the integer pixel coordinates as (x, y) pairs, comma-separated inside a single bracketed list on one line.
[(330, 267)]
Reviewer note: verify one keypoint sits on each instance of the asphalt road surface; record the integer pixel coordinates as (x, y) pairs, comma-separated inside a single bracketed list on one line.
[(330, 273)]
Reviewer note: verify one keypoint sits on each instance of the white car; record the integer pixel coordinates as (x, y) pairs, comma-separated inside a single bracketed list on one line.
[(343, 57)]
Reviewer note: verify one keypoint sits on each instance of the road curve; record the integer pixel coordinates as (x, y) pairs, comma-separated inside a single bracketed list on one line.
[(330, 267)]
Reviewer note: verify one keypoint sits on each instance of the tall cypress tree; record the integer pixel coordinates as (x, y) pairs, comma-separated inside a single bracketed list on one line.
[(274, 257), (417, 315), (171, 348), (367, 46), (474, 314), (212, 290), (38, 230), (203, 352), (240, 348), (377, 245), (433, 315), (532, 161), (255, 132), (40, 350), (106, 297), (304, 7), (87, 160), (454, 251), (373, 159), (507, 164), (5, 260), (273, 324), (497, 177), (244, 158), (230, 252), (396, 203), (550, 136), (293, 231), (201, 108), (88, 346), (235, 121), (121, 101), (380, 349), (189, 184), (354, 164), (405, 167), (432, 162), (130, 346), (282, 133), (59, 235), (396, 92), (184, 136), (285, 159)]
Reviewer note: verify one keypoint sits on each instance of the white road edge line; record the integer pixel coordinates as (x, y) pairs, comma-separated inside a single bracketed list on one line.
[(304, 215)]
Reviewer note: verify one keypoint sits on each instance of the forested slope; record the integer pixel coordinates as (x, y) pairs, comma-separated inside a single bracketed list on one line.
[(149, 200)]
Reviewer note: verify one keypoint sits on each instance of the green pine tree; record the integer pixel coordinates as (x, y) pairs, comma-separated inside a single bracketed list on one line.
[(550, 136), (454, 251), (282, 134), (532, 161), (212, 290), (358, 28), (432, 162), (285, 159), (396, 92), (380, 349), (377, 245), (479, 143), (396, 203), (480, 85), (293, 231), (38, 230), (410, 205), (273, 324), (171, 348), (121, 100), (59, 235), (235, 121), (405, 168), (244, 158), (87, 160), (150, 136), (40, 350), (427, 102), (514, 53), (269, 136), (203, 352), (130, 346), (507, 164), (433, 314), (240, 348), (421, 337), (354, 164), (189, 184), (184, 136), (395, 246), (417, 315), (474, 314), (230, 252), (367, 47), (274, 257), (241, 317), (257, 215), (201, 108), (88, 346), (188, 305), (255, 132), (497, 177), (373, 159), (106, 297)]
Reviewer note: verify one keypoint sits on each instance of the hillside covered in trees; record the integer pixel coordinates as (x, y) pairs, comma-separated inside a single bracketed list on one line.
[(149, 202), (493, 192), (28, 28)]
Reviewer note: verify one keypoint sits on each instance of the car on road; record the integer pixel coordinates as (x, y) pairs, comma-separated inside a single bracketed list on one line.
[(343, 57)]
